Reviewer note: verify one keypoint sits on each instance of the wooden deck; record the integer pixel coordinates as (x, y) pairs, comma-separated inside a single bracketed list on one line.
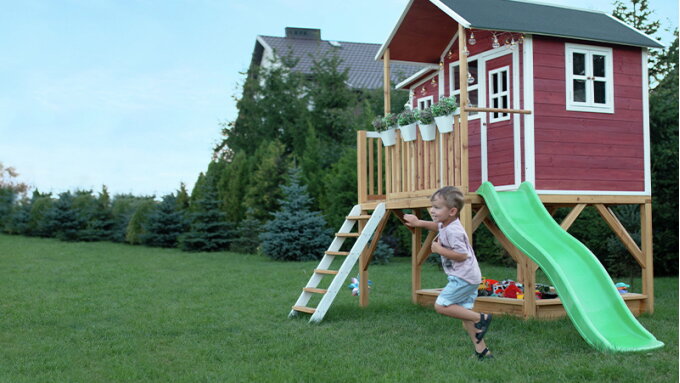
[(545, 308)]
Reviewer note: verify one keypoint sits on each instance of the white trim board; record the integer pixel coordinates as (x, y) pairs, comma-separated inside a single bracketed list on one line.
[(592, 192), (529, 144), (645, 123)]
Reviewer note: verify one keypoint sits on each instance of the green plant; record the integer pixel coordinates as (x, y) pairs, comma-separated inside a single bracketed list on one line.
[(425, 116), (379, 124), (390, 119), (406, 117), (445, 106)]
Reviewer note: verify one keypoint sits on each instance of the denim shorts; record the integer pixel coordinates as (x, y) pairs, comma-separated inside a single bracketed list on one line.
[(458, 292)]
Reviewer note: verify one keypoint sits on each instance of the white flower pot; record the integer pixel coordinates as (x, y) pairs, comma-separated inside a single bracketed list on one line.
[(444, 123), (389, 136), (428, 131), (408, 132)]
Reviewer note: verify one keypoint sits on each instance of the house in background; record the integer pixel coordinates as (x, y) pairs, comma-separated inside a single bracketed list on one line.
[(305, 45)]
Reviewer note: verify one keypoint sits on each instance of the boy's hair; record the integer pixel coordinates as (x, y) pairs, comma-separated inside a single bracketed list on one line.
[(452, 197)]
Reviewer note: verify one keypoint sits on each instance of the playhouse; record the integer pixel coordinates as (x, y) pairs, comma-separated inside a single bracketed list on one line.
[(552, 96)]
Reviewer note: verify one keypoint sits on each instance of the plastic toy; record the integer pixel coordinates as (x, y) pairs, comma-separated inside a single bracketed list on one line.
[(622, 287), (355, 286)]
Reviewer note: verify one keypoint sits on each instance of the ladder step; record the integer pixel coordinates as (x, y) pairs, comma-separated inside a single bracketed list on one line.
[(347, 235), (358, 217), (327, 272), (313, 290), (304, 309), (337, 252)]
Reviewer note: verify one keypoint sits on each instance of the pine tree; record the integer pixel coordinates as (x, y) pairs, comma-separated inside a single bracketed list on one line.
[(208, 229), (37, 222), (136, 226), (296, 233), (18, 219), (165, 224), (247, 235), (638, 15), (63, 220), (264, 190)]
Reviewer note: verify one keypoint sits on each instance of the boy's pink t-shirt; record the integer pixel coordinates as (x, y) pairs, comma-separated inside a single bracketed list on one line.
[(454, 237)]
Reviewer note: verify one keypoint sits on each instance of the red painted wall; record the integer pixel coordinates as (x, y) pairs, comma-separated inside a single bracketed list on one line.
[(582, 150)]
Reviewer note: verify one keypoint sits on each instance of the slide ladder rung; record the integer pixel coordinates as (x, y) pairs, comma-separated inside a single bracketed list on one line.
[(347, 235), (327, 272), (337, 253), (304, 309), (314, 290), (363, 217)]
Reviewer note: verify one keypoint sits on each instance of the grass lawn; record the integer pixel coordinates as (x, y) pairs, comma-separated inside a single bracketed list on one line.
[(103, 312)]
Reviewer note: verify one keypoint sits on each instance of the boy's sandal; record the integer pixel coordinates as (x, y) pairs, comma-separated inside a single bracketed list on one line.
[(483, 325), (484, 354)]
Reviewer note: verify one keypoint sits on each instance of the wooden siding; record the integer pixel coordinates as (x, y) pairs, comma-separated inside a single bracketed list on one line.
[(582, 150)]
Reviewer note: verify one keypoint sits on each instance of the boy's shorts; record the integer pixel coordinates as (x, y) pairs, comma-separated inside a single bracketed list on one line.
[(458, 292)]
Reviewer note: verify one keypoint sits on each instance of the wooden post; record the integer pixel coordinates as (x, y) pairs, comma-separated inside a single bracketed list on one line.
[(361, 166), (463, 119), (647, 253), (386, 80), (363, 271), (416, 239)]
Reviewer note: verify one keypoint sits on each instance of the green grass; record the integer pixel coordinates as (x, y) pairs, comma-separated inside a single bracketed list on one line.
[(103, 312)]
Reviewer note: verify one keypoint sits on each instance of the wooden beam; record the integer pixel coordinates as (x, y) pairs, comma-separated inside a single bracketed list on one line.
[(479, 217), (646, 236), (416, 236), (592, 199), (505, 242), (426, 248), (374, 241), (463, 73), (571, 217), (491, 110), (621, 232), (362, 191)]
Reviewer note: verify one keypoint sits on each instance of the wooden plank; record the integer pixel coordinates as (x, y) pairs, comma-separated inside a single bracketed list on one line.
[(491, 110), (314, 290), (347, 235), (361, 166), (416, 237), (571, 217), (371, 168), (646, 236), (326, 272), (304, 309), (426, 248), (621, 233), (363, 217), (342, 253), (380, 167), (593, 199), (374, 242), (479, 217), (507, 245), (463, 74)]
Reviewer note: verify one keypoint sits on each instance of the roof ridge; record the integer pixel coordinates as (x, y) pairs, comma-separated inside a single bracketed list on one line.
[(558, 6), (321, 40)]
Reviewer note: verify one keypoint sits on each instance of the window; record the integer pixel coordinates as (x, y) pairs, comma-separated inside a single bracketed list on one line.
[(499, 93), (425, 102), (473, 84), (590, 78)]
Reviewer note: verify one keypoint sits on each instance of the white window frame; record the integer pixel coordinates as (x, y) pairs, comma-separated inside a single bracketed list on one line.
[(496, 94), (589, 105), (456, 92), (423, 101)]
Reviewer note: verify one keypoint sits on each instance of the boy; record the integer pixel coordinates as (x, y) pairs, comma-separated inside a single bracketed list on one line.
[(459, 262)]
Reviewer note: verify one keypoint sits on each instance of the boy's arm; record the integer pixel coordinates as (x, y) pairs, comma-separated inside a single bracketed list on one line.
[(448, 253), (413, 221)]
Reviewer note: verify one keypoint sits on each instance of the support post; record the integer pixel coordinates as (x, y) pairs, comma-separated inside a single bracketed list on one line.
[(363, 271), (362, 174), (463, 119), (416, 268), (646, 235)]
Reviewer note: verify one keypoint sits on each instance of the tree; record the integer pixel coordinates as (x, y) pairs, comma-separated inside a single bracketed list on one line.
[(638, 15), (63, 220), (165, 224), (10, 192), (208, 229), (264, 190), (136, 228), (233, 185), (296, 233)]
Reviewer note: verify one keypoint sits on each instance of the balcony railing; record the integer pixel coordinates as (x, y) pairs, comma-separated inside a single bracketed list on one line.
[(407, 169)]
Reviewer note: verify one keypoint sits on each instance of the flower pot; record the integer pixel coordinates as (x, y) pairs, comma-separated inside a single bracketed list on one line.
[(408, 132), (389, 136), (444, 123), (428, 131)]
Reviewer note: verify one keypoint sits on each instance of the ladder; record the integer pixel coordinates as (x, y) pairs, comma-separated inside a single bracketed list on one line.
[(339, 275)]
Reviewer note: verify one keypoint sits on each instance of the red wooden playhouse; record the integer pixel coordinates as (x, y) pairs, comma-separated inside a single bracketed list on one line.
[(555, 96)]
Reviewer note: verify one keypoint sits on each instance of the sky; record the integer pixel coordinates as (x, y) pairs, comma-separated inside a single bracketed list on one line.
[(131, 93)]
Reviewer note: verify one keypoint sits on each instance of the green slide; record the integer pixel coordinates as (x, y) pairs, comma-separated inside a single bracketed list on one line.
[(586, 290)]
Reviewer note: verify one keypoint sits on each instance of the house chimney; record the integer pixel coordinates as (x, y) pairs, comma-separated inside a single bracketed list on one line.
[(303, 33)]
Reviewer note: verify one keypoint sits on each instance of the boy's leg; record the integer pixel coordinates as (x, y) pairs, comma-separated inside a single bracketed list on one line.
[(469, 326), (457, 311)]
